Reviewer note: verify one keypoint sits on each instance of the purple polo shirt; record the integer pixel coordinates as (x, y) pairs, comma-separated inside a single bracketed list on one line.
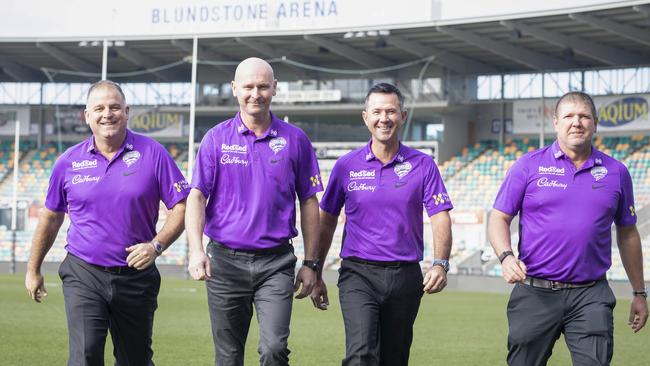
[(383, 203), (252, 182), (566, 213), (113, 204)]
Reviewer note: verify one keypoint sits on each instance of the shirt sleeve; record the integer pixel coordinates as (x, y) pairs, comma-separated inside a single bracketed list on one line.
[(511, 193), (625, 213), (172, 185), (204, 172), (308, 179), (435, 197), (334, 196), (57, 199)]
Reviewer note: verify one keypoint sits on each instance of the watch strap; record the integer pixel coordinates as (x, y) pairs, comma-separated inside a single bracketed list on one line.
[(505, 254)]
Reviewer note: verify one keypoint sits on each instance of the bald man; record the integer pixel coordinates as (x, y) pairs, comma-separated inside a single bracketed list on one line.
[(249, 170)]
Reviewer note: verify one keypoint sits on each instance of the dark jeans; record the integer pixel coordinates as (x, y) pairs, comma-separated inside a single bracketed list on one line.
[(379, 306), (240, 280), (537, 317), (97, 301)]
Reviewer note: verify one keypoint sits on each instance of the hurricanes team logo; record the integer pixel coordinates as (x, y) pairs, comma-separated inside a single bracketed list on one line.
[(277, 144), (402, 169), (131, 157), (598, 172)]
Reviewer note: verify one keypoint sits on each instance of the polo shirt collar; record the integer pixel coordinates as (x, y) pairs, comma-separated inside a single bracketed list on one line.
[(272, 131), (126, 145), (596, 157), (402, 153)]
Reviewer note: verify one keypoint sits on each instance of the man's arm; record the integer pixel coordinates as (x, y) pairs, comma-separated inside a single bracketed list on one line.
[(310, 227), (629, 246), (513, 270), (436, 278), (142, 255), (327, 227), (48, 227), (199, 265)]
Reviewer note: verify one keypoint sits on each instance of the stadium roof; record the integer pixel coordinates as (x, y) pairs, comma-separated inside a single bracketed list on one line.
[(613, 37)]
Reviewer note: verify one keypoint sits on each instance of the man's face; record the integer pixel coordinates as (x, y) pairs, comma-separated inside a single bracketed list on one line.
[(384, 117), (575, 124), (106, 113), (254, 87)]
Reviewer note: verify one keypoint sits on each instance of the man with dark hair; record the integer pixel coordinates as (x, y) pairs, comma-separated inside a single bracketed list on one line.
[(384, 186), (111, 186), (567, 196), (249, 170)]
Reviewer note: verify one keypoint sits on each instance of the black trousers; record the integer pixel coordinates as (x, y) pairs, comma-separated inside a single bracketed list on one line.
[(241, 280), (379, 305), (537, 317), (97, 301)]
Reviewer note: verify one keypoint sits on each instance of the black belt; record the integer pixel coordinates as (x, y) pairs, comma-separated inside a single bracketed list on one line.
[(279, 249), (379, 263), (113, 270), (555, 285)]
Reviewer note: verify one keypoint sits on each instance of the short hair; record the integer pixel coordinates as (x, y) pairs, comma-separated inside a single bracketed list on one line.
[(103, 83), (385, 88), (577, 96)]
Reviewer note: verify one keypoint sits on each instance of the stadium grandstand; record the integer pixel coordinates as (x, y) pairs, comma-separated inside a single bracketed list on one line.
[(480, 82)]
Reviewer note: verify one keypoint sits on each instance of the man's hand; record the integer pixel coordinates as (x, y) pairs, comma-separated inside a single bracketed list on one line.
[(638, 313), (35, 285), (513, 270), (307, 277), (319, 295), (435, 280), (141, 255), (199, 265)]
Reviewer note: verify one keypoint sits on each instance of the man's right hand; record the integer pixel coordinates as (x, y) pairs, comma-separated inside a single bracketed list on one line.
[(35, 285), (199, 266), (513, 270)]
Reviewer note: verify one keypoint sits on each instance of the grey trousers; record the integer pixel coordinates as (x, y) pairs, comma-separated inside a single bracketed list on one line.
[(240, 280), (98, 300), (537, 317), (379, 306)]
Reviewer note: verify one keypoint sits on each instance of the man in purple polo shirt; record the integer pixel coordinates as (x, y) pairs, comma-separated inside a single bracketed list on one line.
[(384, 186), (567, 196), (110, 186), (252, 167)]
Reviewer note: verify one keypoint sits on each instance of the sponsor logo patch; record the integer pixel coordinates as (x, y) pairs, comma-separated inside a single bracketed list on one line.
[(181, 185), (402, 169), (131, 157), (227, 160), (315, 180), (234, 148), (598, 172), (77, 179), (362, 174), (355, 186), (440, 198), (632, 211), (550, 170), (277, 144), (545, 182), (84, 164)]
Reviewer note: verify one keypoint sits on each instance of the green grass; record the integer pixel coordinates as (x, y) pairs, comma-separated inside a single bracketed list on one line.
[(453, 328)]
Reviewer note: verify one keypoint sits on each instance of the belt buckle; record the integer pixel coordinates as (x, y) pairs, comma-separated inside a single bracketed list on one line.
[(555, 285)]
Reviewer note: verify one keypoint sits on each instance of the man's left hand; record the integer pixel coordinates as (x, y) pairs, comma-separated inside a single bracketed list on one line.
[(638, 313), (307, 277), (141, 255), (435, 280)]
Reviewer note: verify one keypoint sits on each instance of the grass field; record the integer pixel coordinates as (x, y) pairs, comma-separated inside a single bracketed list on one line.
[(453, 328)]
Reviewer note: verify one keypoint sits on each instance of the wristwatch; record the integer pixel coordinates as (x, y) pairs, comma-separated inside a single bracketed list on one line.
[(442, 263), (505, 255), (313, 264), (642, 293), (158, 247)]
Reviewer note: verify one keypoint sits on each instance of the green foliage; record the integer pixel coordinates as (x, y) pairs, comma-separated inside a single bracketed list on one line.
[(453, 328)]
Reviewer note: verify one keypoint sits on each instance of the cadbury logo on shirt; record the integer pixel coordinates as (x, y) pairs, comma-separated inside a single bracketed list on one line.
[(84, 179), (362, 174), (545, 182), (234, 148), (550, 170), (84, 164), (354, 186)]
